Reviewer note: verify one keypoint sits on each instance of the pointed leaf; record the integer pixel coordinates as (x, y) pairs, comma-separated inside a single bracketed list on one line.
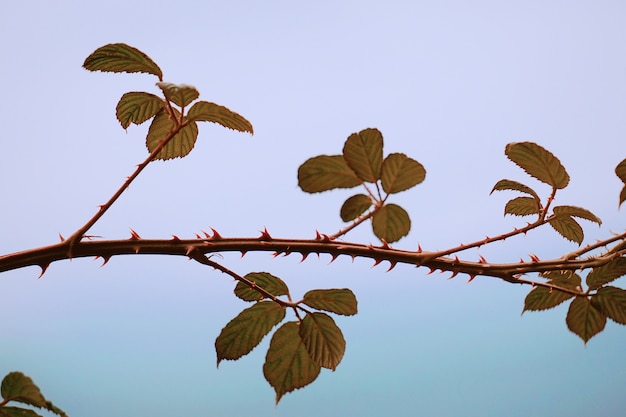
[(245, 332), (542, 298), (401, 173), (326, 172), (363, 152), (583, 319), (203, 111), (602, 275), (338, 301), (568, 228), (180, 145), (119, 57), (538, 163), (579, 212), (137, 107), (354, 206), (566, 279), (391, 223), (611, 301), (265, 280), (20, 388), (288, 365), (179, 94), (322, 339), (620, 171), (522, 206), (515, 186)]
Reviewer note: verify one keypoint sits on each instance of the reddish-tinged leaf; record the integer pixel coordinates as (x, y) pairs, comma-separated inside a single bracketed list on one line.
[(354, 206), (338, 301), (179, 94), (583, 319), (137, 107), (203, 111), (326, 172), (119, 57), (363, 153), (401, 173), (180, 145), (538, 163), (322, 339)]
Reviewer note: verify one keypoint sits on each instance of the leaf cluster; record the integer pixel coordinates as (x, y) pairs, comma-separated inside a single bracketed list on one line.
[(19, 388)]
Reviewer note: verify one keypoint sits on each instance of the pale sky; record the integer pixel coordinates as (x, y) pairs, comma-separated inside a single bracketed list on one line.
[(449, 83)]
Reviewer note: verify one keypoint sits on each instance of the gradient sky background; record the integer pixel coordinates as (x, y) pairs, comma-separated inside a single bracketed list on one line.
[(449, 83)]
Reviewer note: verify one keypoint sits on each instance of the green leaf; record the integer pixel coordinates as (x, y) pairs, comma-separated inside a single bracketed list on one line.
[(566, 279), (338, 301), (203, 111), (179, 94), (17, 412), (620, 171), (265, 280), (522, 206), (180, 145), (611, 301), (20, 388), (245, 332), (391, 223), (137, 107), (542, 298), (322, 339), (119, 57), (604, 274), (583, 319), (515, 186), (288, 365), (568, 228), (325, 172), (354, 206), (363, 153), (401, 173), (538, 163), (577, 212)]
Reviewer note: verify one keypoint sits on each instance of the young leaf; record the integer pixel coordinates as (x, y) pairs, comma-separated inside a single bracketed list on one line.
[(354, 206), (391, 223), (538, 163), (579, 212), (137, 107), (18, 387), (179, 94), (611, 301), (583, 319), (567, 227), (322, 339), (338, 301), (265, 280), (203, 111), (325, 172), (288, 365), (180, 145), (401, 173), (522, 206), (245, 332), (542, 298), (119, 57), (514, 186), (604, 274), (363, 152)]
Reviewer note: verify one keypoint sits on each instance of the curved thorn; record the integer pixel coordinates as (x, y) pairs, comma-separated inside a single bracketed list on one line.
[(392, 265), (134, 235), (216, 235), (43, 267)]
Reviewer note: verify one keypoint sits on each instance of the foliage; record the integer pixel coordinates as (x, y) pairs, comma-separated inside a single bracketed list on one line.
[(311, 340)]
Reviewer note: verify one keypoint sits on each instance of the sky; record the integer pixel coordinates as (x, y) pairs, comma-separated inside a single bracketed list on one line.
[(449, 83)]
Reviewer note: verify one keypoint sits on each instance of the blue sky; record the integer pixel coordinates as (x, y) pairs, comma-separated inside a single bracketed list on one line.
[(449, 83)]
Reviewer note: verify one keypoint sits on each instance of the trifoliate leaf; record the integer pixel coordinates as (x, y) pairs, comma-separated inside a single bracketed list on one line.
[(180, 145), (179, 94), (119, 57), (579, 212), (325, 172), (265, 280), (583, 319), (203, 111), (567, 227), (20, 388), (288, 365), (538, 163), (391, 223), (401, 173), (338, 301), (245, 332), (515, 186), (602, 275), (611, 301), (354, 206), (363, 152), (137, 107), (522, 206), (322, 339)]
